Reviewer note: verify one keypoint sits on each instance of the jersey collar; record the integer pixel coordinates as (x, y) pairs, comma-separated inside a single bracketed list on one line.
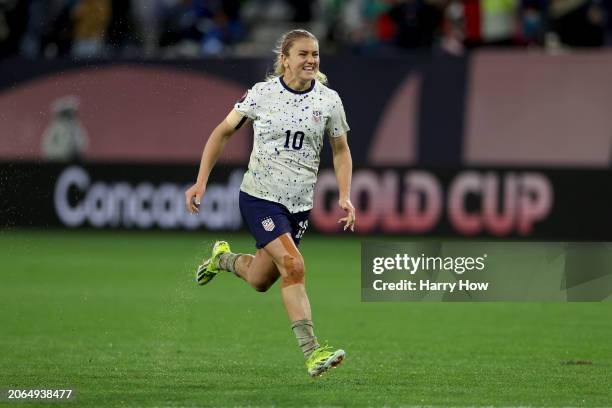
[(310, 88)]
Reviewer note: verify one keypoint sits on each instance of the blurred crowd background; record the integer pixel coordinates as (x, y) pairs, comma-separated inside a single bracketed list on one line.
[(192, 28)]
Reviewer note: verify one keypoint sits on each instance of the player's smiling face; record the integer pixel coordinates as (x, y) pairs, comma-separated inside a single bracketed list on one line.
[(303, 60)]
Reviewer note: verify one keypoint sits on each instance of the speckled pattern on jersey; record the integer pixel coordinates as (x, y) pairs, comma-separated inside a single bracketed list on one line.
[(288, 128)]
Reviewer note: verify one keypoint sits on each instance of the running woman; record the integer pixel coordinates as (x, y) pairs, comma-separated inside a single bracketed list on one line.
[(291, 112)]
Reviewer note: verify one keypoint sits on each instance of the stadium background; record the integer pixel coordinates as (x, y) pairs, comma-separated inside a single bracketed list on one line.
[(469, 120)]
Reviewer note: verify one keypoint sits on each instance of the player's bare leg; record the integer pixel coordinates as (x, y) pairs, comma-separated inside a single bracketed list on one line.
[(290, 264), (262, 270), (259, 271), (281, 258)]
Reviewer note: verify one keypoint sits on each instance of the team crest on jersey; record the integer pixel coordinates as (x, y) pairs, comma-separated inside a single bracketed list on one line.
[(268, 224), (316, 115)]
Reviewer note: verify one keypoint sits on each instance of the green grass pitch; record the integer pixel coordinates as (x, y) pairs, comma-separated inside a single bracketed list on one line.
[(117, 317)]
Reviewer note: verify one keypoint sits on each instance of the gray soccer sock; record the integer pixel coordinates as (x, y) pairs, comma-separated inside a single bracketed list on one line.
[(227, 261), (304, 334)]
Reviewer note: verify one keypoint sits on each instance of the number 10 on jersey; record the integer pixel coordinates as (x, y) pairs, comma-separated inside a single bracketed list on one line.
[(298, 140)]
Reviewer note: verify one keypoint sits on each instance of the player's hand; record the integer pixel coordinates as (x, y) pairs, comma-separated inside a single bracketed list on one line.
[(349, 220), (193, 195)]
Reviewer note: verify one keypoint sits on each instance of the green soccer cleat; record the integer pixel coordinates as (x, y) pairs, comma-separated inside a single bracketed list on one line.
[(210, 266), (322, 359)]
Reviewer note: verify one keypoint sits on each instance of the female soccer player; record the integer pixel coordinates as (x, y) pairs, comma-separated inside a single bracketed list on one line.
[(291, 111)]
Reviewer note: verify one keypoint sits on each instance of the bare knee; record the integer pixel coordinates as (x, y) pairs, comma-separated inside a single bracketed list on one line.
[(262, 286), (294, 270), (263, 283)]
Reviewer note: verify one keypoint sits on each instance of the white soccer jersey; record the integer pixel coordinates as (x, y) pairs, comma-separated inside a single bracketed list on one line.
[(288, 131)]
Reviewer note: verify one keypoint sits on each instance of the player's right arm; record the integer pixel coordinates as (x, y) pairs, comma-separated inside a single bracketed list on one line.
[(213, 148)]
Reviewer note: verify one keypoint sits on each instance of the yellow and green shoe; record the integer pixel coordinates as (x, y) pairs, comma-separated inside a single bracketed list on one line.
[(322, 359), (210, 266)]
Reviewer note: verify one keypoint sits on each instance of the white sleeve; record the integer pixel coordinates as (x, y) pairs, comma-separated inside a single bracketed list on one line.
[(336, 124), (247, 105)]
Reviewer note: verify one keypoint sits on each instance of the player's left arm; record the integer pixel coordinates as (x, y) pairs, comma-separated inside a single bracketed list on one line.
[(343, 166)]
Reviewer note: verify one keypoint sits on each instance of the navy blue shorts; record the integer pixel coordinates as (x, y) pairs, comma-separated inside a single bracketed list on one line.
[(268, 220)]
